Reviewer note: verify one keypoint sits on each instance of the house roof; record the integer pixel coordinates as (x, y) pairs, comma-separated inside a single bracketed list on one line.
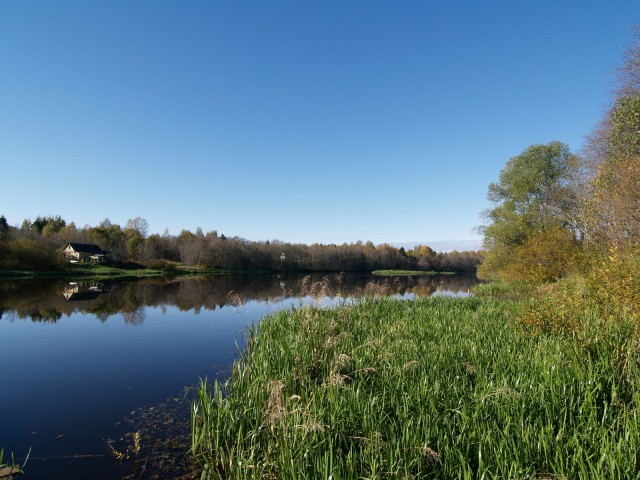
[(90, 248)]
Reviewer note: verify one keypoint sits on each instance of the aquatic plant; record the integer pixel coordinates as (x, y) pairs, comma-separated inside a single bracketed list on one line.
[(431, 388), (9, 471)]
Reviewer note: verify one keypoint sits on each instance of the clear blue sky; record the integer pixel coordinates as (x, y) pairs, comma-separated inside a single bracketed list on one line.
[(301, 121)]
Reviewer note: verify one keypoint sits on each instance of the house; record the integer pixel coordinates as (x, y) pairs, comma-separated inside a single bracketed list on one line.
[(84, 252)]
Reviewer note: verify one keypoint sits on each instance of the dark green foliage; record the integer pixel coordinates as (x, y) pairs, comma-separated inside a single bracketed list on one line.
[(213, 251), (26, 254), (4, 228), (53, 224)]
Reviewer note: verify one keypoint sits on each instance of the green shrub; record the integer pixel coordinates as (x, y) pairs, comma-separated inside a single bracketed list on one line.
[(607, 292), (159, 264), (25, 254)]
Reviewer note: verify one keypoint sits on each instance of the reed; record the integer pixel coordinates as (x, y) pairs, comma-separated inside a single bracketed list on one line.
[(9, 471), (430, 388)]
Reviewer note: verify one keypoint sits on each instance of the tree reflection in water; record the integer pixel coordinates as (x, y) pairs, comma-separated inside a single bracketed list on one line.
[(47, 300), (136, 376)]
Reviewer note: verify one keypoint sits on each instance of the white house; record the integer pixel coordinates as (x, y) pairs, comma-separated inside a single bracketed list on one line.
[(84, 252)]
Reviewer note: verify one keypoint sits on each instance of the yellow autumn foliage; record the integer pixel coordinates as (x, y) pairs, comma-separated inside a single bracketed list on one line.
[(607, 292)]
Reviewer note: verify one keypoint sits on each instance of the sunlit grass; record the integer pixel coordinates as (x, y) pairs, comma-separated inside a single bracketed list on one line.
[(395, 273), (431, 388)]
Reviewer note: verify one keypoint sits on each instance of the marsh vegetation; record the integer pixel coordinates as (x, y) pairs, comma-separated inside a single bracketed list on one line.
[(433, 388)]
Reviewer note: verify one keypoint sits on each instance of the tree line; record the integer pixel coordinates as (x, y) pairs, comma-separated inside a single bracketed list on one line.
[(37, 244)]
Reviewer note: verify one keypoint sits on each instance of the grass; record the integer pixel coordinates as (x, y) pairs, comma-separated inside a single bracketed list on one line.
[(430, 388), (396, 273), (501, 290)]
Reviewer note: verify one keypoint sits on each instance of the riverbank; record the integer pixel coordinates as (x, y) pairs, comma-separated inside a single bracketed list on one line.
[(89, 271), (432, 388), (133, 346)]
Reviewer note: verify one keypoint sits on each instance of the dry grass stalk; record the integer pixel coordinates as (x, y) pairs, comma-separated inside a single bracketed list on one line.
[(336, 380), (312, 425), (624, 356), (431, 454), (471, 369), (343, 360), (304, 285), (373, 343), (375, 289), (331, 342), (409, 365), (334, 340), (502, 392), (275, 411), (320, 290), (235, 298)]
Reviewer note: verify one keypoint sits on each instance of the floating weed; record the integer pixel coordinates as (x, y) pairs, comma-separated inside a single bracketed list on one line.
[(136, 443), (129, 451), (120, 456)]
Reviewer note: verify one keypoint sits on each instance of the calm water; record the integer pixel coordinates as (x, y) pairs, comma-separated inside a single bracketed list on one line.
[(84, 365)]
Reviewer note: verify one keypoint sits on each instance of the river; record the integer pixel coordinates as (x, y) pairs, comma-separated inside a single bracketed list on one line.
[(97, 377)]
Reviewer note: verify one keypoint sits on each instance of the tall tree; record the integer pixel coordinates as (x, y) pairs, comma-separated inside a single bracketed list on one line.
[(613, 207), (4, 228), (139, 224), (533, 196), (616, 192)]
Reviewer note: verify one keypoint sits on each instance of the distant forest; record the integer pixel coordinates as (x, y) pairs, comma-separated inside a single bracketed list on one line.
[(38, 245)]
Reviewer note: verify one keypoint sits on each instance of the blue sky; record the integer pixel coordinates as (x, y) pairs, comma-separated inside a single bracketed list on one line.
[(300, 121)]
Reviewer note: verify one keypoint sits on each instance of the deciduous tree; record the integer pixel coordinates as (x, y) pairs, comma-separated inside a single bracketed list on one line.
[(533, 196)]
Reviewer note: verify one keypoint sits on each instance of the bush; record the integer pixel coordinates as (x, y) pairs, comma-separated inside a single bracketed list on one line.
[(25, 254), (608, 292), (157, 264), (545, 256)]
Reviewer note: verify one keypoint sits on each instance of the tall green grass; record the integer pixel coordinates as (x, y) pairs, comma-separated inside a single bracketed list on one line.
[(430, 388)]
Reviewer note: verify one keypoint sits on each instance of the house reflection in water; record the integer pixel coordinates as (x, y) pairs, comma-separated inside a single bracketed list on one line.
[(75, 292)]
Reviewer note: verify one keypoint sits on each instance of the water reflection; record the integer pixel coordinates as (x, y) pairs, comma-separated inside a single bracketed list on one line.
[(71, 383), (50, 300), (76, 292)]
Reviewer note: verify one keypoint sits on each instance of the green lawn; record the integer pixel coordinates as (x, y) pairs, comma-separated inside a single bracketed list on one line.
[(399, 273)]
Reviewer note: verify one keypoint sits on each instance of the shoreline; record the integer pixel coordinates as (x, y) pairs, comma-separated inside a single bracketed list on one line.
[(89, 271)]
